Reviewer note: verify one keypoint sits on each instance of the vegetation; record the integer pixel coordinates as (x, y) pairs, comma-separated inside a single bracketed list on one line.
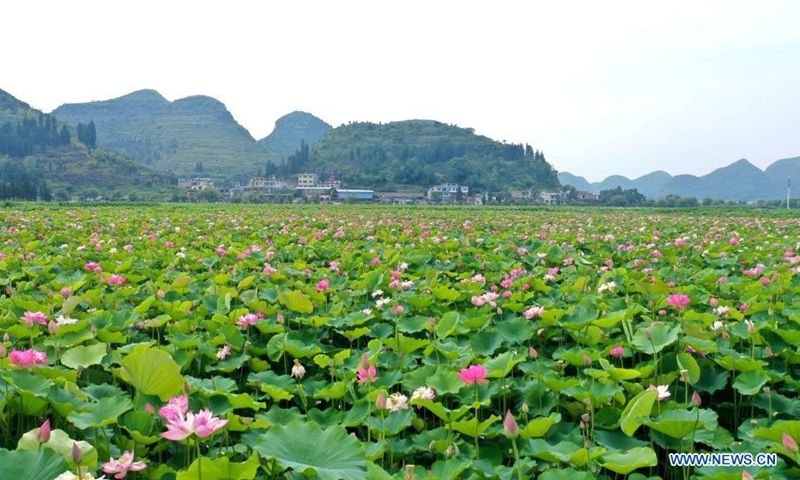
[(290, 131), (178, 137), (42, 158), (416, 154), (210, 342)]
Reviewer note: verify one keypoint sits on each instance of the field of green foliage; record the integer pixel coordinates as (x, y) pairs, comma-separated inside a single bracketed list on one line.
[(238, 342)]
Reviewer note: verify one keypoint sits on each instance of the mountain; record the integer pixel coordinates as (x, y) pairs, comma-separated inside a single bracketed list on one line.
[(290, 130), (193, 136), (416, 154), (740, 181), (39, 154)]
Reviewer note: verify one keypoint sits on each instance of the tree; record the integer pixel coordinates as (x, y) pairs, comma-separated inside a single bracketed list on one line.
[(210, 195)]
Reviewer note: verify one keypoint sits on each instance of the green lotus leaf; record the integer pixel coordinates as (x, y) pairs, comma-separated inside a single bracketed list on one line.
[(220, 469), (153, 372), (105, 412), (639, 407), (750, 382), (624, 462), (44, 464), (84, 356), (305, 448), (296, 301)]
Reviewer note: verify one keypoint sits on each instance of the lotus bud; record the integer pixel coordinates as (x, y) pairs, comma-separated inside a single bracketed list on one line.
[(696, 400), (44, 432), (746, 476), (533, 353), (66, 292), (186, 389), (77, 455), (2, 351), (510, 427), (767, 391), (789, 443), (525, 408), (649, 335), (585, 418), (279, 318), (540, 332), (713, 301), (451, 451), (6, 337), (587, 360), (149, 409), (409, 473), (380, 402), (364, 360)]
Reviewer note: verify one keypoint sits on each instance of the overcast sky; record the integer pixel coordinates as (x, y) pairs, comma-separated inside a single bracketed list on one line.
[(623, 87)]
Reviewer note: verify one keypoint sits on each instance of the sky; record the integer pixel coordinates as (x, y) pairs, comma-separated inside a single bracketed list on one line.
[(623, 87)]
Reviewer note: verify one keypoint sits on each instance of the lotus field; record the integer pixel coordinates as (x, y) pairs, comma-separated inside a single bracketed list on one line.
[(239, 343)]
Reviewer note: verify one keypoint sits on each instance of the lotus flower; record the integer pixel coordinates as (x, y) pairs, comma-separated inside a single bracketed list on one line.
[(27, 358), (201, 424), (473, 374), (34, 317), (124, 465)]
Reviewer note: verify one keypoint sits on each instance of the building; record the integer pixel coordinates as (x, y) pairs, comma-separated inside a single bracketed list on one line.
[(263, 183), (447, 192), (307, 180), (401, 198), (587, 196), (344, 195), (332, 183), (323, 193), (522, 194), (552, 198), (196, 184)]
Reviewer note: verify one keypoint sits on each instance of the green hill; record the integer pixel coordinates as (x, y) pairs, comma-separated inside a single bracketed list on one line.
[(193, 136), (416, 154), (290, 130), (40, 156)]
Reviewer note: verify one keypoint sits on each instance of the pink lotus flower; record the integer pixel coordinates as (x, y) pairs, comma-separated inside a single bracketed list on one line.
[(176, 408), (534, 311), (201, 424), (93, 267), (34, 317), (473, 374), (117, 280), (124, 465), (367, 375), (617, 351), (679, 300), (247, 320), (323, 285), (27, 358)]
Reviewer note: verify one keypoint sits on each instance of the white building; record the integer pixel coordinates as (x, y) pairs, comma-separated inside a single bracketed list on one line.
[(196, 184), (447, 192), (263, 183), (552, 198), (305, 180)]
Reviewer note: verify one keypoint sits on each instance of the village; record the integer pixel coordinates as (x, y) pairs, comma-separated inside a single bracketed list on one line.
[(309, 188)]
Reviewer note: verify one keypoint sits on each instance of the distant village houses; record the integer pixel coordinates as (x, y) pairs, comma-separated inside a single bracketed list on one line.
[(196, 184), (448, 193)]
